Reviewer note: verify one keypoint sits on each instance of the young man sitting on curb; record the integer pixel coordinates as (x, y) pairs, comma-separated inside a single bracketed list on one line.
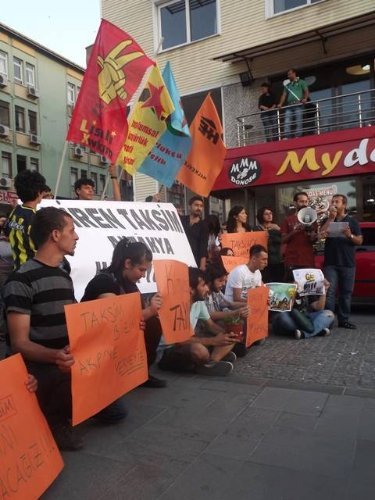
[(204, 355)]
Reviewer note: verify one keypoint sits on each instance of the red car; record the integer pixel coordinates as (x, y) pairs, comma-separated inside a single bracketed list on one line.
[(364, 287)]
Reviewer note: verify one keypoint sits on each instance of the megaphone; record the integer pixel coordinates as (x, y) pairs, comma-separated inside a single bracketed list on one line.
[(307, 216)]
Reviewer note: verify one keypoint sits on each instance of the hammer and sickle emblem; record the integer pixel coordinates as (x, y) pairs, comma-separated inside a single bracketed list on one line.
[(111, 78)]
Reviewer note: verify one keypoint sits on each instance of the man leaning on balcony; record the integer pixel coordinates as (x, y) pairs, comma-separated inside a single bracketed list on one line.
[(295, 95)]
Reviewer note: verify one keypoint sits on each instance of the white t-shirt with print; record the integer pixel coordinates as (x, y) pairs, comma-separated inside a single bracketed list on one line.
[(242, 277)]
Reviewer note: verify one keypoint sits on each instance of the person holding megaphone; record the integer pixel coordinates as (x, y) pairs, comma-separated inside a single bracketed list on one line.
[(298, 233)]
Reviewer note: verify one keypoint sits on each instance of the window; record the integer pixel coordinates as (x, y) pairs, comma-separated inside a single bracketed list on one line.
[(34, 164), (21, 163), (102, 180), (94, 177), (18, 70), (3, 63), (33, 126), (278, 6), (4, 114), (71, 94), (20, 119), (84, 174), (185, 21), (73, 176), (30, 74), (6, 165)]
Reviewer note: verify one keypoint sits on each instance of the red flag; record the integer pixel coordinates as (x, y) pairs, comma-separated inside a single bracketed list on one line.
[(206, 158), (115, 70)]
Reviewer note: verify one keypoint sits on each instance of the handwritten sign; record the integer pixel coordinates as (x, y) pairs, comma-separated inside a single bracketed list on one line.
[(257, 321), (109, 351), (172, 279), (241, 243), (281, 296), (309, 281), (29, 457), (230, 262)]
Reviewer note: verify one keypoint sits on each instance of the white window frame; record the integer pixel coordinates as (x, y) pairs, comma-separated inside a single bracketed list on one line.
[(269, 7), (4, 61), (30, 72), (71, 94), (34, 164), (158, 5), (17, 62), (6, 161)]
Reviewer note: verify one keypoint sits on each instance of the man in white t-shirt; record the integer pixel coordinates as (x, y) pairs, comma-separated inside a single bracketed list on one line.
[(246, 276), (202, 354)]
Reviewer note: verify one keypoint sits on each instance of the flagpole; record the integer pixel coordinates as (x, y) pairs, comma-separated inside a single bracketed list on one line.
[(60, 169)]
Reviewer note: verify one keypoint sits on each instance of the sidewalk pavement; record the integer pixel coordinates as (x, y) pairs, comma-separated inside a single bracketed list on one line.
[(280, 436)]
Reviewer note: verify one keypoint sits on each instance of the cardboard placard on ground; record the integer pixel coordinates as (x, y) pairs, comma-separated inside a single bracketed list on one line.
[(241, 243), (172, 279), (29, 458), (230, 262), (109, 351), (257, 321)]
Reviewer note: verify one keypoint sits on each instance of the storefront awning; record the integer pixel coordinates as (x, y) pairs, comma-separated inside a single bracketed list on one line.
[(318, 34)]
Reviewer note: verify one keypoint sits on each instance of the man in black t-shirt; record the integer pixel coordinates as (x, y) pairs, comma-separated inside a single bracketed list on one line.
[(196, 231), (267, 105), (339, 259)]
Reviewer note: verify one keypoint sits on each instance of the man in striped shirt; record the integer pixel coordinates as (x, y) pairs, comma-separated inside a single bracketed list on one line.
[(30, 186), (34, 297)]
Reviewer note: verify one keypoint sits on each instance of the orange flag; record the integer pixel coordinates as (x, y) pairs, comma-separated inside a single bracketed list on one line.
[(257, 321), (29, 458), (109, 351), (172, 279), (206, 157)]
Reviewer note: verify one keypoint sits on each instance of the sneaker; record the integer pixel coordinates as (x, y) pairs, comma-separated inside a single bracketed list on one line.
[(347, 325), (298, 335), (240, 350), (154, 383), (112, 414), (216, 369), (66, 438), (231, 357), (325, 332)]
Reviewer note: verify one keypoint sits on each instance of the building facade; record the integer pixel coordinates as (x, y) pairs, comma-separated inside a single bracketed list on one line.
[(230, 47), (38, 91)]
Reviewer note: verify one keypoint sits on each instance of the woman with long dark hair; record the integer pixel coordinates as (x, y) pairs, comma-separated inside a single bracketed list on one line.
[(237, 220), (275, 268), (214, 231), (130, 262)]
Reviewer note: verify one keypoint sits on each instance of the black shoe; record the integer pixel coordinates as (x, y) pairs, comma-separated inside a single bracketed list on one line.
[(113, 414), (66, 438), (240, 350), (347, 325), (154, 383)]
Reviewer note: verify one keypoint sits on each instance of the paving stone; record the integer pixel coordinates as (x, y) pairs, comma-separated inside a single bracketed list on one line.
[(300, 402), (361, 483)]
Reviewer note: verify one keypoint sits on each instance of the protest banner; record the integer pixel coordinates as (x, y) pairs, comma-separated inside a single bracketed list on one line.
[(257, 321), (172, 279), (241, 243), (101, 224), (230, 262), (281, 296), (309, 281), (115, 70), (206, 157), (109, 352), (29, 458)]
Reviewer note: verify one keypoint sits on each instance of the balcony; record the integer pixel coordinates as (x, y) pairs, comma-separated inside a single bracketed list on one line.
[(347, 111)]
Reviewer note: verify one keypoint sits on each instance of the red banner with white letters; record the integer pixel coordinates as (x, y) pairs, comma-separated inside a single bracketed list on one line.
[(315, 157)]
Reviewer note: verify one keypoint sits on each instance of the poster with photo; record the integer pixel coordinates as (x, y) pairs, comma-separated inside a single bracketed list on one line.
[(281, 296)]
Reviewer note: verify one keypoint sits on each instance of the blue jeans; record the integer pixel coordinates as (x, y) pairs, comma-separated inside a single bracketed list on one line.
[(341, 278), (284, 323), (269, 124), (295, 113)]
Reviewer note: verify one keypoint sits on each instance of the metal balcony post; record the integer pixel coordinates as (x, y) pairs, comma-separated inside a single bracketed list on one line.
[(360, 110)]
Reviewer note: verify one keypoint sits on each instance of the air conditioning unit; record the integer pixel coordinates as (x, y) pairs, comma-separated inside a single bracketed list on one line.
[(78, 151), (5, 182), (34, 139), (3, 81), (32, 92), (104, 160), (4, 131)]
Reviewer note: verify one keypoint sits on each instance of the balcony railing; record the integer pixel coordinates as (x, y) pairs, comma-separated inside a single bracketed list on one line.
[(320, 116)]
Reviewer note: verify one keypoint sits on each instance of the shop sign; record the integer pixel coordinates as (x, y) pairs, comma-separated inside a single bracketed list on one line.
[(244, 171)]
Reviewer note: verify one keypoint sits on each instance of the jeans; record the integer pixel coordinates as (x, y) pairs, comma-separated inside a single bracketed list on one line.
[(295, 113), (341, 278), (269, 124), (284, 323)]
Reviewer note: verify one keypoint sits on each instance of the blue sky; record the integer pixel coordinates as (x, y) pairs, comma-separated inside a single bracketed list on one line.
[(66, 27)]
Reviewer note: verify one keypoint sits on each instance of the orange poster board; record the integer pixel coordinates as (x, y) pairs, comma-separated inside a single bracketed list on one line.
[(29, 458), (257, 321), (230, 262), (172, 279), (109, 351), (241, 243)]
